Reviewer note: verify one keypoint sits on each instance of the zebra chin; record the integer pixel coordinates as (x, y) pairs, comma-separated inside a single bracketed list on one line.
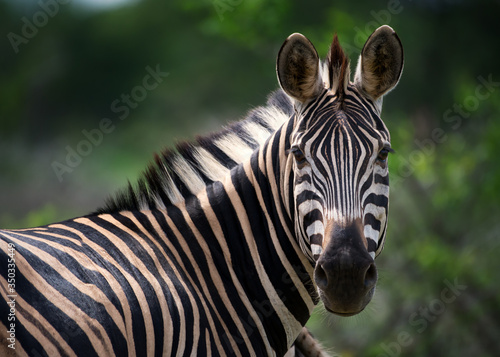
[(345, 308), (345, 272)]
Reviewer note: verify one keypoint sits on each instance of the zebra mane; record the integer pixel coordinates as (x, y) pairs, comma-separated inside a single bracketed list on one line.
[(179, 173), (337, 68)]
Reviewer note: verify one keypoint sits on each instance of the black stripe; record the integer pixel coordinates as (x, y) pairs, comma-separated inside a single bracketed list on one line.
[(377, 200), (384, 180), (366, 185), (372, 221), (307, 195), (312, 216), (372, 246), (317, 239)]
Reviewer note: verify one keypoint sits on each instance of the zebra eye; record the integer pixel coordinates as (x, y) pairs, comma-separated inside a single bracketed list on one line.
[(382, 155), (300, 158)]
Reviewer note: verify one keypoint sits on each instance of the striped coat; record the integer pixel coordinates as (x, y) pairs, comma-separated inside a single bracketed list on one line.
[(225, 246)]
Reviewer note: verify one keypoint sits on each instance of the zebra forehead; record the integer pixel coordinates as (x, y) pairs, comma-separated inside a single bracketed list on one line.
[(353, 114), (341, 137)]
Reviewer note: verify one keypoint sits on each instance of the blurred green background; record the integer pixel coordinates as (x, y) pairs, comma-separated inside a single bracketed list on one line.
[(68, 66)]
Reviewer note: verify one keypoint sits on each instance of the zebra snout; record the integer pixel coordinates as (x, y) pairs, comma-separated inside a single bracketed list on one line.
[(346, 281)]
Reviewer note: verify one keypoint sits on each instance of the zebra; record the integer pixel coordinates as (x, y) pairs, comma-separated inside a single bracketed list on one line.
[(226, 245)]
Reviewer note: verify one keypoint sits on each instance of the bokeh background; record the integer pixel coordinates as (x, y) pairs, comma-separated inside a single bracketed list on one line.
[(68, 66)]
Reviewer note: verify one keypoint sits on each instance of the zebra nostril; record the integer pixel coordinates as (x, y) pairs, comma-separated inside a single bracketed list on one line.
[(320, 277), (371, 276)]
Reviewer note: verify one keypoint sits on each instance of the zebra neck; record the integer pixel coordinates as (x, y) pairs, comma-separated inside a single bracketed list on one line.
[(277, 275)]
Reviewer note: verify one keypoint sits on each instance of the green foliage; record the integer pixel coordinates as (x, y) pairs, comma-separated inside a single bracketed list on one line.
[(40, 217), (220, 55)]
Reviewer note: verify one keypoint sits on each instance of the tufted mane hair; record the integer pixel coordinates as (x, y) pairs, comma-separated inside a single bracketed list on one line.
[(338, 68), (183, 171)]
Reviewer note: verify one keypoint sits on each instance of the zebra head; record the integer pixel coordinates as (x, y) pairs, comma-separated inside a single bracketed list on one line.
[(338, 161)]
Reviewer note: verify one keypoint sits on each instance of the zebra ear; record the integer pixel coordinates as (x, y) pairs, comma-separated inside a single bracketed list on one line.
[(380, 64), (298, 68)]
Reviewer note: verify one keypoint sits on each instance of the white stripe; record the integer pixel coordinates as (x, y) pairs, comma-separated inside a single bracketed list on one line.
[(316, 249), (316, 227), (170, 189), (371, 233), (209, 165), (234, 147), (273, 116), (257, 132), (187, 174)]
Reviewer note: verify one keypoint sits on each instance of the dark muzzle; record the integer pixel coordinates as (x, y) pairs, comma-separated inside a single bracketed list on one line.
[(345, 273)]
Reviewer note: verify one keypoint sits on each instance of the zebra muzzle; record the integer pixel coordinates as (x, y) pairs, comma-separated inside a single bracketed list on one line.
[(345, 273)]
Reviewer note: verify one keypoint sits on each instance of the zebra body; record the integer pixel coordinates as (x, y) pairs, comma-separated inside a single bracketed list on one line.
[(192, 286), (230, 257)]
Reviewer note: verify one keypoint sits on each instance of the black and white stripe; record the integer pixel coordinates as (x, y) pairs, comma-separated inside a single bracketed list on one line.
[(227, 244)]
